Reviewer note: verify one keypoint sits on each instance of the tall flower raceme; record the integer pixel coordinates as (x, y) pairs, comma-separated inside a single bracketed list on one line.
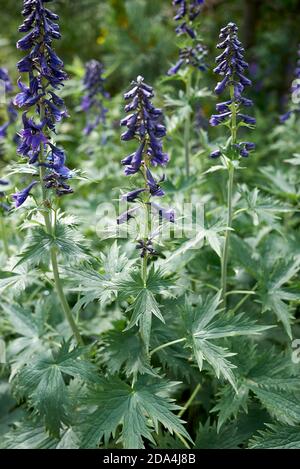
[(95, 93), (11, 112), (295, 93), (231, 67), (187, 11), (191, 58), (45, 76), (43, 108), (144, 123)]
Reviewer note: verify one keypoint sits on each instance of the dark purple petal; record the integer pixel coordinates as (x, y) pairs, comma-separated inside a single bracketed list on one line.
[(21, 197)]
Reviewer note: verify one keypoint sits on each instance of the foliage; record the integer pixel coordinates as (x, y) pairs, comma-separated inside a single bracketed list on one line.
[(165, 360)]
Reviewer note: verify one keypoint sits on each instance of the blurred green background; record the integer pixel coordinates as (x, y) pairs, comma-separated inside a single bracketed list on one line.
[(137, 37)]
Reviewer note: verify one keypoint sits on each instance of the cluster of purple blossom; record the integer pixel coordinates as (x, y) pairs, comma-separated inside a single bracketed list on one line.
[(193, 55), (92, 101), (46, 75), (144, 123), (231, 66)]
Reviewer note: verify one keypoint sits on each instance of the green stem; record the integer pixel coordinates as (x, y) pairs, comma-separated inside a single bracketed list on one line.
[(4, 237), (189, 402), (63, 300), (187, 129), (242, 301), (183, 440), (168, 344), (144, 267), (53, 254), (224, 260)]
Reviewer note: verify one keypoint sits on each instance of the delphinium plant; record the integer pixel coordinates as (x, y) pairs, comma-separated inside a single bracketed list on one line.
[(160, 344), (144, 123), (94, 95), (231, 67), (191, 61), (42, 109)]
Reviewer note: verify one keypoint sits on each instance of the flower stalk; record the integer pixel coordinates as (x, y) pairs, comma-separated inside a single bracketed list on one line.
[(46, 75), (231, 66)]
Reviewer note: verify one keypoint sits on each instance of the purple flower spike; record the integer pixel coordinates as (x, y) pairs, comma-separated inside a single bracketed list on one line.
[(194, 55), (231, 67), (92, 101), (144, 123), (45, 76)]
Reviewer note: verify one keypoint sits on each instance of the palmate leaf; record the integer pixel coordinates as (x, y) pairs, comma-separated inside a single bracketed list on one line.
[(42, 383), (31, 329), (271, 279), (234, 435), (202, 328), (144, 305), (273, 296), (270, 378), (261, 207), (65, 239), (28, 436), (277, 437), (211, 235), (101, 284), (138, 410), (124, 351), (282, 405), (279, 183), (231, 403), (18, 280)]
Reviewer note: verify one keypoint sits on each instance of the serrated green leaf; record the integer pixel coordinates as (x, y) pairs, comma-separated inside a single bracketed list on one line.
[(42, 382), (138, 410), (277, 437), (203, 328)]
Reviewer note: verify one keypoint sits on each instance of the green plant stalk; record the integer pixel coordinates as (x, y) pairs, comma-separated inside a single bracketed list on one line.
[(187, 128), (190, 400), (167, 344), (227, 237), (147, 224), (53, 254), (230, 167), (4, 237)]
